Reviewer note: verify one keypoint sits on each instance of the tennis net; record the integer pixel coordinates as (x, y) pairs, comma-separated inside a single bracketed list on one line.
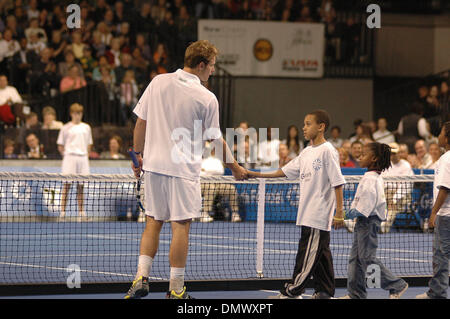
[(252, 236)]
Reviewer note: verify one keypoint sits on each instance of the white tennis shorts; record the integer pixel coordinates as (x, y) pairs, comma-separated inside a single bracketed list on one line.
[(170, 198), (75, 164)]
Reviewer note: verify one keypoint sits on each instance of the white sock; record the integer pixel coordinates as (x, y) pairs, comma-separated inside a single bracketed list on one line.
[(144, 266), (176, 279)]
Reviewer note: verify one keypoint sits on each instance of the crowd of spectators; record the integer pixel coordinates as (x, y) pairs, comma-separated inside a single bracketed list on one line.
[(124, 44)]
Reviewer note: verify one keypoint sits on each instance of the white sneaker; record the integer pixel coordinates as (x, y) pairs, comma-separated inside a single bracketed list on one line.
[(345, 297), (399, 294), (235, 218), (205, 218), (141, 218), (423, 296)]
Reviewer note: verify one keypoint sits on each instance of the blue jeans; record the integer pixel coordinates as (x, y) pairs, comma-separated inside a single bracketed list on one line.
[(363, 254), (441, 255)]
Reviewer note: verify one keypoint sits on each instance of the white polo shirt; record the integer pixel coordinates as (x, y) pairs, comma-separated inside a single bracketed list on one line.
[(75, 138), (319, 171), (442, 179), (370, 199), (181, 114)]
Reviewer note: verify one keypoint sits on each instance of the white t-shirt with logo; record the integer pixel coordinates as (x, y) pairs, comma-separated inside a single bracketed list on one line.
[(181, 114), (75, 138), (319, 172), (370, 199), (442, 179)]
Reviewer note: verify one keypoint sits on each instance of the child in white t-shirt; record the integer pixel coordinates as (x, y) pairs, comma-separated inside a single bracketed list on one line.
[(321, 191), (74, 144), (440, 221), (369, 209)]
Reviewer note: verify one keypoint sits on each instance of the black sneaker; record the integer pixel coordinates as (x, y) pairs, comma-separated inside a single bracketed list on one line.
[(138, 289), (320, 295)]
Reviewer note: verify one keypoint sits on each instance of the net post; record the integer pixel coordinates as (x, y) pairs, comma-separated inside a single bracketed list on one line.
[(260, 227)]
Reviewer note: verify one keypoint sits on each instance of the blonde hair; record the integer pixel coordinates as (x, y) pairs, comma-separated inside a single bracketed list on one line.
[(199, 51), (48, 110), (76, 107)]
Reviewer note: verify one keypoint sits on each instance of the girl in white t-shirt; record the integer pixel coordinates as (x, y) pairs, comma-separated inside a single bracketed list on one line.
[(369, 209)]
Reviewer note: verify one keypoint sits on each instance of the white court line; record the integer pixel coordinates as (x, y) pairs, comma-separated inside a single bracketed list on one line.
[(81, 270)]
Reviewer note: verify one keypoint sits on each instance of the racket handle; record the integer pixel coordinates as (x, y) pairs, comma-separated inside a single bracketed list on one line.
[(133, 157)]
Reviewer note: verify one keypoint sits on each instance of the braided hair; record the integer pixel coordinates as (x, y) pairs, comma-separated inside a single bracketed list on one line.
[(382, 153)]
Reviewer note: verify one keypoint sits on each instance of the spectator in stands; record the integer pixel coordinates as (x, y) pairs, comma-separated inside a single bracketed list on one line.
[(396, 196), (140, 65), (35, 150), (97, 45), (382, 135), (126, 61), (245, 160), (356, 123), (15, 27), (31, 125), (356, 152), (335, 139), (344, 158), (161, 58), (88, 63), (8, 150), (21, 65), (8, 94), (108, 79), (423, 158), (347, 145), (422, 93), (73, 81), (413, 126), (294, 143), (363, 134), (142, 45), (431, 111), (8, 47), (69, 61), (115, 147), (212, 166), (268, 149), (49, 119), (43, 76), (57, 45), (32, 11), (403, 151), (35, 29), (128, 95), (35, 44), (113, 54), (105, 34), (283, 154), (77, 45), (435, 152), (245, 133)]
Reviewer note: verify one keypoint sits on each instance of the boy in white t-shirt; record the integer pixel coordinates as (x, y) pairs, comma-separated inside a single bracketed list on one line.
[(369, 209), (74, 144), (440, 220), (321, 191)]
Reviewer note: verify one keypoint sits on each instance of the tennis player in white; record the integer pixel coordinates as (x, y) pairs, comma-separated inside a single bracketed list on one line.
[(173, 110), (74, 144)]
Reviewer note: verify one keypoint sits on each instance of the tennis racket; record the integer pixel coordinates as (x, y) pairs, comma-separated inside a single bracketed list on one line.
[(138, 191)]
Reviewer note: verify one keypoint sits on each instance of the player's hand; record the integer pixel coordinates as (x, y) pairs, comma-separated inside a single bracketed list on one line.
[(432, 221), (137, 170), (240, 173), (338, 220)]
